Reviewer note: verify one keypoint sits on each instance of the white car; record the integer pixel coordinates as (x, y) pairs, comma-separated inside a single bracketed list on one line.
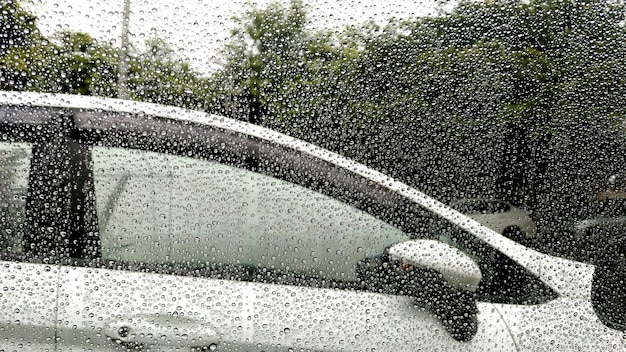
[(500, 216), (129, 226)]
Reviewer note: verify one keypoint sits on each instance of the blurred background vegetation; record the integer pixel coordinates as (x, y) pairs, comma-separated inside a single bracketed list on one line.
[(517, 100)]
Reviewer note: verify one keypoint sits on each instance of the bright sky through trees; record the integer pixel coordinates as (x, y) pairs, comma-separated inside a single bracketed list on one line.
[(197, 28)]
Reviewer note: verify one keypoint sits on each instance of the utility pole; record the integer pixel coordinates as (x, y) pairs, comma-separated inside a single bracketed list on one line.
[(122, 70)]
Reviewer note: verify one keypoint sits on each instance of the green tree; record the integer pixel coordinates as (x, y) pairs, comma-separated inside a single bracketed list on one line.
[(86, 66), (25, 54), (158, 76), (260, 54), (75, 63), (484, 90), (567, 70), (492, 80), (18, 26)]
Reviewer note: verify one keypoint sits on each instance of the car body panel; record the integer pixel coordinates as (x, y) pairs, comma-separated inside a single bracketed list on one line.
[(575, 320), (572, 314), (28, 302), (256, 316)]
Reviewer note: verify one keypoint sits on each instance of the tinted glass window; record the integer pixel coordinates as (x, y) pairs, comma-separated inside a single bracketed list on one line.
[(163, 209), (14, 170), (174, 214)]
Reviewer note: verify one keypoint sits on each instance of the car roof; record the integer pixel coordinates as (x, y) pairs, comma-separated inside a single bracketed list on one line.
[(519, 253), (181, 114)]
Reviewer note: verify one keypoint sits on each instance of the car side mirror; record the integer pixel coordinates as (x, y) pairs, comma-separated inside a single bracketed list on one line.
[(445, 282), (456, 267)]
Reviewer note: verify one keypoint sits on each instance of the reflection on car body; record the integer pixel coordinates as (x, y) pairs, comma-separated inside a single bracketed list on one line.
[(164, 228), (602, 219), (500, 216)]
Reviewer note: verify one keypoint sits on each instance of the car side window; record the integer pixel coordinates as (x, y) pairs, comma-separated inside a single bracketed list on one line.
[(14, 171), (165, 209)]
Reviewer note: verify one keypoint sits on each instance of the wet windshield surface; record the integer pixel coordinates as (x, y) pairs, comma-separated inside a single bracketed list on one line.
[(511, 112)]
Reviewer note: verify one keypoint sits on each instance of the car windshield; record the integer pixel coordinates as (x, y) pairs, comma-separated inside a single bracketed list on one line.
[(297, 143)]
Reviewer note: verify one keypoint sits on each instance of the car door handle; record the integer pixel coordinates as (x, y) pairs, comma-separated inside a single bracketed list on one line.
[(165, 330)]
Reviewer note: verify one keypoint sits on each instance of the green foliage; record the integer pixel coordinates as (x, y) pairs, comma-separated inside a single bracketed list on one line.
[(259, 56), (18, 26), (488, 87), (20, 43), (86, 66), (67, 63), (75, 63), (158, 76)]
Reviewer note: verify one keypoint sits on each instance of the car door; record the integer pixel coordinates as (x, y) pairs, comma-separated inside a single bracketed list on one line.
[(28, 276), (211, 239)]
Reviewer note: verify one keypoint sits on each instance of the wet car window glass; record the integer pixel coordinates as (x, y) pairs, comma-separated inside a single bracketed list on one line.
[(163, 209), (14, 170), (157, 211), (276, 174)]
